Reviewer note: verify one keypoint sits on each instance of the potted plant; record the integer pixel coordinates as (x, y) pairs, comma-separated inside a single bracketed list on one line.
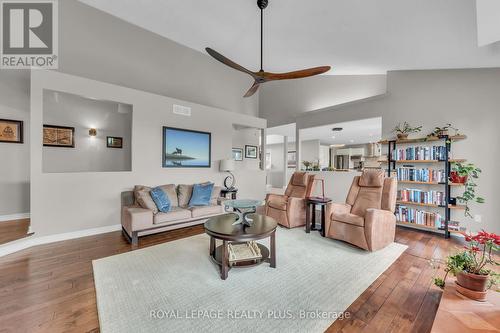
[(469, 265), (307, 165), (444, 131), (402, 130), (466, 174)]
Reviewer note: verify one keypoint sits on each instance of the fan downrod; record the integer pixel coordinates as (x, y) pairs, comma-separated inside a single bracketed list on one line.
[(262, 4)]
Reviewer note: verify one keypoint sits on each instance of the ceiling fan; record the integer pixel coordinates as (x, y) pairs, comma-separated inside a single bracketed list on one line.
[(261, 76)]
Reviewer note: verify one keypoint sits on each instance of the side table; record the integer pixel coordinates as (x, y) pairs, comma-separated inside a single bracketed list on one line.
[(311, 203)]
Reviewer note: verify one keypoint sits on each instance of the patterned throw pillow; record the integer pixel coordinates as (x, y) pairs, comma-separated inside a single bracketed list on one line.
[(161, 199), (201, 194), (144, 200)]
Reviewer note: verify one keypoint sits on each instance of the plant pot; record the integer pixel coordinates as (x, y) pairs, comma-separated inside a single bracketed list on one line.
[(402, 136), (442, 134), (473, 282), (474, 295), (455, 178), (453, 201)]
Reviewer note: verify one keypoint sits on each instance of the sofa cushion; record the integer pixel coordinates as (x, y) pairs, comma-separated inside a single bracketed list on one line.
[(277, 202), (184, 194), (215, 195), (202, 193), (175, 214), (171, 191), (144, 199), (200, 211), (136, 190), (161, 199), (348, 218)]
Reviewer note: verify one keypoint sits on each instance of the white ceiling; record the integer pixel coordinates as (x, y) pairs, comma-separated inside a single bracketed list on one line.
[(353, 133), (353, 36)]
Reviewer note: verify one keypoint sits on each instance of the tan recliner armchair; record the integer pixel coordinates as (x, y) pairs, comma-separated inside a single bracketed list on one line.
[(367, 218), (290, 209)]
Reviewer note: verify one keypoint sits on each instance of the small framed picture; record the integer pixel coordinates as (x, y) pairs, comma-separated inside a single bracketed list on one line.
[(292, 159), (11, 131), (238, 154), (114, 142), (58, 136), (251, 151)]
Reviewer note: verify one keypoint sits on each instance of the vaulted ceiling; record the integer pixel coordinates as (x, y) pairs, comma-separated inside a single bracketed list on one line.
[(353, 36)]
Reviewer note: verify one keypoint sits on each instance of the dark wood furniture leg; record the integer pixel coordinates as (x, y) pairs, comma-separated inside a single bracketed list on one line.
[(323, 220), (273, 249), (224, 268), (308, 218), (313, 227), (234, 195), (212, 247)]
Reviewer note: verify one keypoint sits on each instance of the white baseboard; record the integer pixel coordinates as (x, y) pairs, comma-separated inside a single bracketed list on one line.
[(31, 241), (13, 217)]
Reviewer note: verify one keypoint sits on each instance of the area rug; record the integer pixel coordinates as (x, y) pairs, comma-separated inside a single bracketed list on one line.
[(174, 287)]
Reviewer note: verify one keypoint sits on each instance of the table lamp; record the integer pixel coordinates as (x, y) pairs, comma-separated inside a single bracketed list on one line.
[(228, 166)]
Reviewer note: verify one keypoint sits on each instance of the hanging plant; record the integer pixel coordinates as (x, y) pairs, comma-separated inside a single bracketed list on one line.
[(468, 173)]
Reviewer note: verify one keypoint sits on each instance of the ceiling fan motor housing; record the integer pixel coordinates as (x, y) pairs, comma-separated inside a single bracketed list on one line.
[(262, 3)]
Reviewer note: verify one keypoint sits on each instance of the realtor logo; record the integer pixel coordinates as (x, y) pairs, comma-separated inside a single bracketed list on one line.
[(29, 34)]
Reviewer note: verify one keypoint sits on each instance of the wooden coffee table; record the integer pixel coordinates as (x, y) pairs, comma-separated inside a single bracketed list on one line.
[(223, 228)]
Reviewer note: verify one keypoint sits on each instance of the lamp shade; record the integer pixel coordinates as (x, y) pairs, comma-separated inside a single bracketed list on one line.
[(226, 165)]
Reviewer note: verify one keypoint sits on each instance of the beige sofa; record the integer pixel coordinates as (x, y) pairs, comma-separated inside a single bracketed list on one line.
[(140, 221)]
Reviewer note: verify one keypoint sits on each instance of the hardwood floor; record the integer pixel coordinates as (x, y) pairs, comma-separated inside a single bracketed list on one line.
[(13, 230), (50, 288)]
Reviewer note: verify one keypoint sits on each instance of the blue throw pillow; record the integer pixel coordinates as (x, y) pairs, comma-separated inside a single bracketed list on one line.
[(202, 194), (161, 199)]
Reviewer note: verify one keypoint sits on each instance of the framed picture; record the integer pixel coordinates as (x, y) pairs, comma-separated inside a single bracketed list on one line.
[(58, 136), (11, 131), (114, 142), (238, 154), (186, 148), (292, 159), (251, 151)]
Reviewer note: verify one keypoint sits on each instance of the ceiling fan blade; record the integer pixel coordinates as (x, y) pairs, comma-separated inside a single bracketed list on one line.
[(252, 90), (297, 74), (228, 62)]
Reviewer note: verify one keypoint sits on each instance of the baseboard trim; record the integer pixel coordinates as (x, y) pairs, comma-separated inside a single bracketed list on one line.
[(13, 217), (31, 241)]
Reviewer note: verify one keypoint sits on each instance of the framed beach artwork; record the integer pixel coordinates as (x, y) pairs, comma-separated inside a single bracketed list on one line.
[(238, 154), (184, 148), (58, 136), (251, 151), (114, 142), (11, 131)]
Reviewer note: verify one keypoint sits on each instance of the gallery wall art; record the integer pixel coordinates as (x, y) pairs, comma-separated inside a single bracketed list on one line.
[(251, 151), (184, 148), (114, 142), (58, 136), (238, 154), (11, 131)]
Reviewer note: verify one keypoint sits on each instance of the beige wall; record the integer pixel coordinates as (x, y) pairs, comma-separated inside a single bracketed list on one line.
[(79, 201), (467, 98)]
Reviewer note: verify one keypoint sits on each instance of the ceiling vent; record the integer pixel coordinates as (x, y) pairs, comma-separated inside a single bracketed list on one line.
[(337, 129), (182, 110)]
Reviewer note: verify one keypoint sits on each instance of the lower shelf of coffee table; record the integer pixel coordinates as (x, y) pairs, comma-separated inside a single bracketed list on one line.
[(248, 263)]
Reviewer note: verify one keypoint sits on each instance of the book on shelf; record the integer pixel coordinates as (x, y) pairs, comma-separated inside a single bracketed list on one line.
[(420, 153), (423, 197), (421, 175), (419, 217), (244, 251)]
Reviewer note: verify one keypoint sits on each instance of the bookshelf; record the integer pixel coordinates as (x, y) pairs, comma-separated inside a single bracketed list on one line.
[(444, 159)]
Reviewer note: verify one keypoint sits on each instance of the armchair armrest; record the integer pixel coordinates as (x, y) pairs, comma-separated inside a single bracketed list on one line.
[(330, 208), (271, 196), (380, 228)]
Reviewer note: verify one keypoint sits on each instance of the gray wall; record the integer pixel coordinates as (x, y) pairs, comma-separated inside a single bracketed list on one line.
[(15, 158), (90, 153), (99, 46), (468, 98), (282, 101)]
